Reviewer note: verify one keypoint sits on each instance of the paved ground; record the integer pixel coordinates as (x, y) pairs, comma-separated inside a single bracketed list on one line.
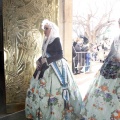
[(84, 79)]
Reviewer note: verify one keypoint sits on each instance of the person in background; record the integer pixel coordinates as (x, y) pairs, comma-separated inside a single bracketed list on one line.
[(73, 59), (87, 61), (78, 56), (75, 42), (85, 58), (53, 93), (100, 53), (102, 101), (94, 52)]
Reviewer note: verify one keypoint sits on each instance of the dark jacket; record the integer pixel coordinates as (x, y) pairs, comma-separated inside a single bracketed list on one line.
[(55, 51), (78, 49), (74, 44), (73, 52)]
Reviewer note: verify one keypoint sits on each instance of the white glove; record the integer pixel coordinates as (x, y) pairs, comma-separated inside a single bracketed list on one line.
[(44, 60)]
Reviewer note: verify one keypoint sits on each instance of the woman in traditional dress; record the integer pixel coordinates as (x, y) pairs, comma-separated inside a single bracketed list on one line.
[(102, 102), (53, 93)]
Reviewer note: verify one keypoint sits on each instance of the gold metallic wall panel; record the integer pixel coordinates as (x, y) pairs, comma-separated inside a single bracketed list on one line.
[(22, 42)]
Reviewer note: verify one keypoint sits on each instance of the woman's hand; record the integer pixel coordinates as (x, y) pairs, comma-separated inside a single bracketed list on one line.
[(43, 60), (38, 65)]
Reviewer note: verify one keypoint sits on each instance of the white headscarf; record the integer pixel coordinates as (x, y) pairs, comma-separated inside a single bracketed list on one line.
[(54, 33)]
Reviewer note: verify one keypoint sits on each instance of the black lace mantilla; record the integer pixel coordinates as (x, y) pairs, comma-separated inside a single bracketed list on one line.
[(110, 70)]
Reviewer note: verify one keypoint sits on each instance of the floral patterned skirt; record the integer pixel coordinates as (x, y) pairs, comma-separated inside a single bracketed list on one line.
[(102, 102), (40, 91)]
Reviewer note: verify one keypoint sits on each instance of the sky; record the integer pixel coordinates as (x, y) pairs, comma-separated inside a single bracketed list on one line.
[(82, 7)]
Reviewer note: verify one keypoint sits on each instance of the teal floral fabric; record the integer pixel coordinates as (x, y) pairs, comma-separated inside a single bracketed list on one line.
[(44, 99), (110, 70), (102, 102)]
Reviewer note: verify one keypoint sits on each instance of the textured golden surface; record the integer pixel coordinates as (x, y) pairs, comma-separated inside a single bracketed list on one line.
[(22, 42)]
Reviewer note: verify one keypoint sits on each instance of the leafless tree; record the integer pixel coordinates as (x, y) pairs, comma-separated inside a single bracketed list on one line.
[(93, 24)]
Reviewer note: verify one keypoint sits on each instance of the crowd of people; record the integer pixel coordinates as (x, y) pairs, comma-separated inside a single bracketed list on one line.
[(53, 93), (83, 53)]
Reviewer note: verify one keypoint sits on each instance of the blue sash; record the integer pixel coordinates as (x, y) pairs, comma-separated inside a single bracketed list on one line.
[(62, 78)]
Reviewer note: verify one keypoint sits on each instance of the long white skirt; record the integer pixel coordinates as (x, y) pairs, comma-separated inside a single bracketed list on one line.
[(39, 92)]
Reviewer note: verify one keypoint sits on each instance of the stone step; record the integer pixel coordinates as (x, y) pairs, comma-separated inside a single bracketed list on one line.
[(14, 116)]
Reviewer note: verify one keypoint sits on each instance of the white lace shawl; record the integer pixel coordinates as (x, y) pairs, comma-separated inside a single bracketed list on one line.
[(54, 33)]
